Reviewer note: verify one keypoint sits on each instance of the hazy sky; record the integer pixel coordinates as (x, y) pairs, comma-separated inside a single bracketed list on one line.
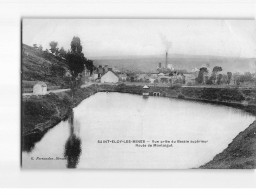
[(115, 37)]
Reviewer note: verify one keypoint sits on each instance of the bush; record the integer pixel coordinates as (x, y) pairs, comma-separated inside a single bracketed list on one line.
[(38, 108), (209, 82), (67, 100), (176, 86), (231, 94), (189, 84), (180, 96)]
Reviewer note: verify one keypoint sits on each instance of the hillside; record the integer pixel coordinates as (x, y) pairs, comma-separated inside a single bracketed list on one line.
[(41, 66), (188, 62)]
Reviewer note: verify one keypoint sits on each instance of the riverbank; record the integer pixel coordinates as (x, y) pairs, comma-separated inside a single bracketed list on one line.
[(41, 113), (243, 99), (239, 154)]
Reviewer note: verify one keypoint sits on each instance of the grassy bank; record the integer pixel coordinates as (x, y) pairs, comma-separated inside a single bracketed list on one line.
[(240, 153), (40, 113), (38, 65)]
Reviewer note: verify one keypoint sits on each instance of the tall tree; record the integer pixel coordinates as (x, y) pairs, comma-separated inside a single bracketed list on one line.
[(76, 60), (62, 52), (215, 70), (202, 71), (89, 66), (229, 74), (53, 46), (76, 46), (219, 77)]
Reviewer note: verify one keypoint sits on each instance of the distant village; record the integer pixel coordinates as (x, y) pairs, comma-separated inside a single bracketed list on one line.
[(167, 75), (163, 75)]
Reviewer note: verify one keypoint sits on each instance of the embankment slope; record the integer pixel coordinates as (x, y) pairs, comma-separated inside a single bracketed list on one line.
[(42, 66)]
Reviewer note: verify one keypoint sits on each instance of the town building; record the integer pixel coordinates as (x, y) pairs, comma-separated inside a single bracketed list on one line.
[(190, 79), (152, 80), (142, 78), (40, 88), (100, 71), (109, 77), (123, 77)]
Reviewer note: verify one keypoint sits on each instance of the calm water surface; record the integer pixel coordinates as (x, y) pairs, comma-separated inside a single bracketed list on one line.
[(115, 116)]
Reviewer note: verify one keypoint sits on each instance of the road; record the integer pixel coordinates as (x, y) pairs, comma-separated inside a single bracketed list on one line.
[(138, 84), (57, 90), (50, 91)]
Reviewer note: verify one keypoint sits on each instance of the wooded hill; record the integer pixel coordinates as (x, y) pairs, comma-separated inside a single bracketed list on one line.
[(38, 65)]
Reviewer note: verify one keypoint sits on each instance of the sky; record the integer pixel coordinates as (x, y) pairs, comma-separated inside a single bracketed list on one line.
[(126, 37)]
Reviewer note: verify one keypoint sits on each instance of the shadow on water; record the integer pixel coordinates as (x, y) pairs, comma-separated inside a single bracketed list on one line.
[(29, 142), (73, 144)]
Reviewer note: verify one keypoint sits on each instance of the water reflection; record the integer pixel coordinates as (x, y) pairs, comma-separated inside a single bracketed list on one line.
[(130, 117), (29, 141), (73, 144)]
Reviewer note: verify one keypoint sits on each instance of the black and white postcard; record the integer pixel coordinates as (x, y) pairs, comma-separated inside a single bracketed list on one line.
[(138, 93)]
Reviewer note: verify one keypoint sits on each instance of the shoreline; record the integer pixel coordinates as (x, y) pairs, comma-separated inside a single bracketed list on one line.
[(35, 135)]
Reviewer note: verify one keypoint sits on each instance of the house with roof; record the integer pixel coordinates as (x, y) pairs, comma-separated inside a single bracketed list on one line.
[(142, 78), (152, 80), (123, 76), (109, 77), (190, 79), (40, 88)]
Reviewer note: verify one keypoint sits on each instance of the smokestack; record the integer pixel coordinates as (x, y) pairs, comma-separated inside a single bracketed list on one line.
[(166, 59)]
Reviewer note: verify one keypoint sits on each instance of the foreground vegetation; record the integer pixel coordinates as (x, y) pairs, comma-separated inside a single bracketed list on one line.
[(240, 153), (40, 113), (42, 66)]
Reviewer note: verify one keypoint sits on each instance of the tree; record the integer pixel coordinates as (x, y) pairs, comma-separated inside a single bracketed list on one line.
[(40, 48), (89, 66), (76, 60), (209, 81), (215, 70), (219, 77), (57, 52), (229, 74), (53, 45), (236, 77), (202, 71), (246, 77), (35, 46), (76, 46), (57, 70), (62, 52), (224, 79)]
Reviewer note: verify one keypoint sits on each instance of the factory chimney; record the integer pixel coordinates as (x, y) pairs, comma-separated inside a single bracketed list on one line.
[(166, 59)]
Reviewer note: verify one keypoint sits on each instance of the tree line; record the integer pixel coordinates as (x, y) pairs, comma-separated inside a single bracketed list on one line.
[(75, 58), (220, 78)]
